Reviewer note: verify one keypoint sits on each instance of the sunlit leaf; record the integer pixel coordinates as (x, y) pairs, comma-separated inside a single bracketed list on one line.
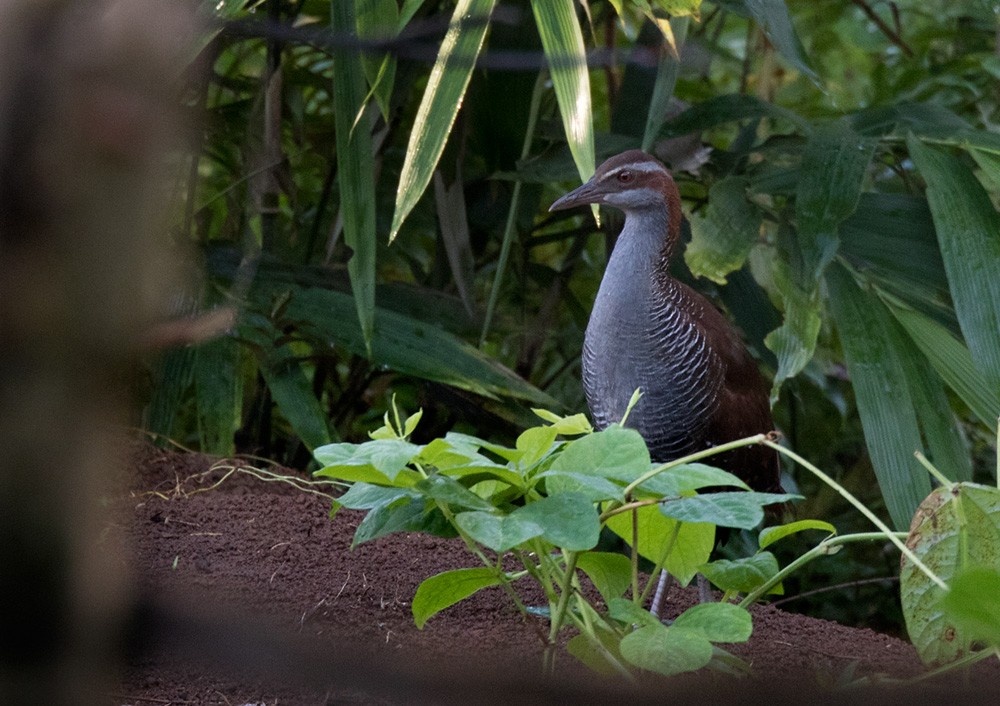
[(448, 588), (440, 103), (718, 622), (610, 573), (770, 535), (666, 650)]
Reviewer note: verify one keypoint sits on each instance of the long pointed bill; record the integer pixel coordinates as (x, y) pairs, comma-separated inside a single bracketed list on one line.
[(588, 193)]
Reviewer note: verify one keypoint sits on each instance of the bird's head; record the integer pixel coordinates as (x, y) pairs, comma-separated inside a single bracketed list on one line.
[(630, 181)]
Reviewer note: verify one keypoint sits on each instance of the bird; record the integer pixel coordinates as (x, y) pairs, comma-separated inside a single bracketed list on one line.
[(700, 385)]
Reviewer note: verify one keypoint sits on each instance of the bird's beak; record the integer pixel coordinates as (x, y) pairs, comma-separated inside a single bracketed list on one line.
[(588, 193)]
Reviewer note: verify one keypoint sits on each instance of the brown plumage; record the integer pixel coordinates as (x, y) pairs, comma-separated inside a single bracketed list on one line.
[(701, 387)]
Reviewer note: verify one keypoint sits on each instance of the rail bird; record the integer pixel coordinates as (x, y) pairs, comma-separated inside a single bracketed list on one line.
[(700, 385)]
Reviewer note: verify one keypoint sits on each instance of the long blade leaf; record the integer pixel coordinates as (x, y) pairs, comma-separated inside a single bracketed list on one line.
[(440, 103), (355, 168)]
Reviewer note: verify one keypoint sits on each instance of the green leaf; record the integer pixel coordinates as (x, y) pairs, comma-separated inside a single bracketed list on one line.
[(292, 392), (616, 452), (497, 532), (593, 657), (409, 346), (220, 394), (717, 622), (954, 530), (794, 342), (743, 575), (833, 168), (690, 476), (667, 651), (628, 613), (573, 425), (355, 168), (562, 42), (610, 573), (450, 491), (378, 20), (741, 509), (691, 547), (448, 588), (440, 103), (595, 488), (666, 73), (721, 238), (568, 520), (729, 108), (872, 347), (534, 444), (415, 515), (770, 535), (972, 603), (774, 20), (365, 496), (951, 359), (968, 229), (387, 456)]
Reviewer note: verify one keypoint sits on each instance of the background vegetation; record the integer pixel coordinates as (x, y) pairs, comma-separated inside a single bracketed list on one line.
[(370, 184)]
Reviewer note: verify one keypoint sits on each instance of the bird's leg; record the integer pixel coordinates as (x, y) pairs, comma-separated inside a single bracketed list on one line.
[(704, 589), (661, 593)]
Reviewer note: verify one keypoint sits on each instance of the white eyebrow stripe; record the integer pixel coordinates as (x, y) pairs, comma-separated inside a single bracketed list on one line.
[(638, 167)]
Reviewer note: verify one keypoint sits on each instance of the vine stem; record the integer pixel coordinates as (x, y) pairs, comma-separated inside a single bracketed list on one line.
[(889, 534), (819, 550)]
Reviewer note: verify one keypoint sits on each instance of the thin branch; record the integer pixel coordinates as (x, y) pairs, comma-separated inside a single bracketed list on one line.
[(888, 31)]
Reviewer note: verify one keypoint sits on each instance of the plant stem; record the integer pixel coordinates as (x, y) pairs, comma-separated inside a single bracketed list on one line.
[(697, 456), (565, 591), (932, 469), (819, 550), (889, 534)]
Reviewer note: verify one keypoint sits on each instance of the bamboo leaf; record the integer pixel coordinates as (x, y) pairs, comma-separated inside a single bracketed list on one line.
[(794, 342), (355, 168), (562, 42), (440, 103), (882, 393), (950, 359), (968, 229), (666, 79), (833, 169), (378, 19), (730, 108), (293, 394), (774, 20), (219, 392)]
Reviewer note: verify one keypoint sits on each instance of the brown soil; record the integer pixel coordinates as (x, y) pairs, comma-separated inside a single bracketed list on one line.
[(266, 560)]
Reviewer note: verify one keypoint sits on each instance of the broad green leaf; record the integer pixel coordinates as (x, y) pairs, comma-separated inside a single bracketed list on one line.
[(882, 393), (773, 18), (595, 488), (729, 108), (450, 491), (667, 651), (615, 452), (497, 532), (568, 520), (690, 476), (378, 20), (989, 162), (534, 444), (972, 603), (833, 168), (691, 547), (954, 530), (415, 515), (610, 573), (968, 229), (770, 535), (743, 575), (448, 588), (387, 456), (365, 496), (628, 613), (594, 657), (487, 470), (741, 509), (355, 168), (721, 238), (794, 342), (718, 622), (454, 437), (562, 42), (573, 425), (220, 394), (440, 103), (409, 346), (951, 359)]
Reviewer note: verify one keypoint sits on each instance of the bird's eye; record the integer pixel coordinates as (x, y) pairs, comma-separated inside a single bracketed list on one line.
[(625, 177)]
